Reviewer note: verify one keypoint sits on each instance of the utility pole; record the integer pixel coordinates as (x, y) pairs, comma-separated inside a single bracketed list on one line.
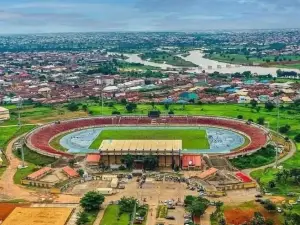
[(22, 152), (133, 214), (277, 130), (19, 106)]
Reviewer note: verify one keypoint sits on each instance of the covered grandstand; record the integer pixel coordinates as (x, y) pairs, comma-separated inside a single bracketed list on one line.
[(38, 140)]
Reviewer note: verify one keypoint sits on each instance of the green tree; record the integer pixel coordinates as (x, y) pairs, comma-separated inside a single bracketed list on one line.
[(80, 172), (240, 117), (127, 204), (272, 184), (150, 162), (253, 103), (167, 106), (198, 207), (128, 160), (91, 201), (261, 120), (84, 108), (73, 106), (284, 129), (123, 101), (269, 106), (269, 205), (82, 218), (297, 138)]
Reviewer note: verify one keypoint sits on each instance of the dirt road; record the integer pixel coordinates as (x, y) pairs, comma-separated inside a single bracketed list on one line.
[(10, 190)]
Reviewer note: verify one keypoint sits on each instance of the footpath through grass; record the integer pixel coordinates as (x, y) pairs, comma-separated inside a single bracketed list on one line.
[(191, 138)]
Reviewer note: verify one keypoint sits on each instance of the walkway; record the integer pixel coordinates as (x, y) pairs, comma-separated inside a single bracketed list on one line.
[(205, 219)]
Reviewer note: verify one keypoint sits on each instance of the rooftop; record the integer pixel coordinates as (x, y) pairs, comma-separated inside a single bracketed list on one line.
[(140, 145), (70, 172), (35, 175), (93, 158)]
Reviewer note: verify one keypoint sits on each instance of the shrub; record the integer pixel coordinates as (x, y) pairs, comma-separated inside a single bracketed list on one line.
[(240, 117), (115, 112), (297, 138)]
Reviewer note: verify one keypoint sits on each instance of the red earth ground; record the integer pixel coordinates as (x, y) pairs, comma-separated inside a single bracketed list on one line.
[(238, 215), (7, 208)]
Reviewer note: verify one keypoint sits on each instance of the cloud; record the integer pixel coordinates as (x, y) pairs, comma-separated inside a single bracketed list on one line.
[(146, 15)]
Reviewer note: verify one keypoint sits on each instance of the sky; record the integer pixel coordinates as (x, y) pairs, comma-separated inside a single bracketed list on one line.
[(47, 16)]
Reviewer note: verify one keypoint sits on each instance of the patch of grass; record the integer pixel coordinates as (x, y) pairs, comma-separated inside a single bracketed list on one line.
[(22, 173), (8, 133), (55, 143), (191, 138), (282, 188), (34, 158), (111, 215)]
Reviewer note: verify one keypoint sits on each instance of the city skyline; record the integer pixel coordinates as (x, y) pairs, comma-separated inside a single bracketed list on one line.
[(32, 16)]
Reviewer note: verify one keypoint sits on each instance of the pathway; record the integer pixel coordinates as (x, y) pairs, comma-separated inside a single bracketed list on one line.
[(10, 190), (16, 125), (205, 219)]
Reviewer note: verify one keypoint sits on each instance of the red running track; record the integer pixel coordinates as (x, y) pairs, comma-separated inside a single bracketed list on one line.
[(40, 138)]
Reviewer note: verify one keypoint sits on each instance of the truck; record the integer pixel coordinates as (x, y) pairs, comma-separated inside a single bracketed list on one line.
[(105, 191)]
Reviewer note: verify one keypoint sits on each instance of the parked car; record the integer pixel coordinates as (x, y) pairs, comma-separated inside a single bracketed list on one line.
[(279, 210)]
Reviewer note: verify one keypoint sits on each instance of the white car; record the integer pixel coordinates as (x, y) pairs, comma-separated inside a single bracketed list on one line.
[(279, 210)]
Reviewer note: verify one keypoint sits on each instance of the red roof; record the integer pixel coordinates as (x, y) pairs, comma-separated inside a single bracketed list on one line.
[(39, 173), (93, 158), (191, 160), (70, 172), (208, 172)]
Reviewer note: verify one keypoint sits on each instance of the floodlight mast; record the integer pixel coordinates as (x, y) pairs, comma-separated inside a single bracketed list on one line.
[(277, 129)]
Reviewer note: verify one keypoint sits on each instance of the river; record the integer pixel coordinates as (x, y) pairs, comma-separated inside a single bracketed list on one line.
[(196, 57)]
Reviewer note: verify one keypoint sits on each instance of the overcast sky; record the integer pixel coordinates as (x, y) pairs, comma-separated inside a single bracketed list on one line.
[(40, 16)]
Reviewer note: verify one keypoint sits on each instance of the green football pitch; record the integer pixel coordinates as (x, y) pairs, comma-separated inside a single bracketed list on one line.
[(191, 138)]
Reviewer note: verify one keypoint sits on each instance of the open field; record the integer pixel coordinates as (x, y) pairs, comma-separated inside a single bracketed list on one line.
[(191, 139), (242, 59)]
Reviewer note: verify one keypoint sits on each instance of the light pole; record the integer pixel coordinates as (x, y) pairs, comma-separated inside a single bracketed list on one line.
[(277, 129)]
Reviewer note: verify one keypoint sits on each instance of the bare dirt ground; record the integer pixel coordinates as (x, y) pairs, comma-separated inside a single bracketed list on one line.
[(239, 214), (9, 190)]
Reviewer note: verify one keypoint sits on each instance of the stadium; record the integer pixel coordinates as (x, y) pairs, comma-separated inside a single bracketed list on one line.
[(171, 138)]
